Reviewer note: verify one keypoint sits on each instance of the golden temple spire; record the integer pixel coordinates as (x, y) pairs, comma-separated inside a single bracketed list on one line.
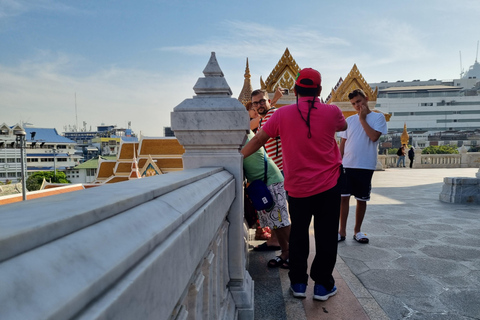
[(404, 138), (245, 94)]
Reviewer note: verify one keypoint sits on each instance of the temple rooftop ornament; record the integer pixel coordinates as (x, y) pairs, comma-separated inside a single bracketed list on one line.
[(354, 80), (245, 95), (213, 84), (404, 138)]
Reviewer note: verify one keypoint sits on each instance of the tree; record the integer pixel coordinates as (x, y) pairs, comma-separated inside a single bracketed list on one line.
[(34, 182), (447, 149)]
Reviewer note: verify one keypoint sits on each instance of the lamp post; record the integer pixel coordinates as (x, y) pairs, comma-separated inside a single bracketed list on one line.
[(21, 140), (54, 164)]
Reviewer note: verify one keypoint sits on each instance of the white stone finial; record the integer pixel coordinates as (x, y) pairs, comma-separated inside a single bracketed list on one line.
[(213, 84)]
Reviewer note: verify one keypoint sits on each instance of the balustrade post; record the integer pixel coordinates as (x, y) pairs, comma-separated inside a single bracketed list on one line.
[(212, 128)]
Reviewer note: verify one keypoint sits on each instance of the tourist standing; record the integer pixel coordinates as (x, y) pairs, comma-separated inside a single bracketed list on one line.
[(358, 146), (264, 108), (312, 167), (401, 156), (411, 156), (276, 218)]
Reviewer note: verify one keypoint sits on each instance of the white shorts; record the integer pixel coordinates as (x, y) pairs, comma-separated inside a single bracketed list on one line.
[(278, 217)]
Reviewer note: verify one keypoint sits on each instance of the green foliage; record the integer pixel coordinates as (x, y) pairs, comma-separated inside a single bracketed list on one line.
[(448, 149), (34, 182), (392, 151)]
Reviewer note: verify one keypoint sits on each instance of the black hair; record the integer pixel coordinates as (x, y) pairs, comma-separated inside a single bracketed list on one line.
[(356, 92), (307, 92), (258, 91)]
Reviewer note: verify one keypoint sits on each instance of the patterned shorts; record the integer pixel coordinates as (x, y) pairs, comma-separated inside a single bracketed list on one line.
[(278, 216)]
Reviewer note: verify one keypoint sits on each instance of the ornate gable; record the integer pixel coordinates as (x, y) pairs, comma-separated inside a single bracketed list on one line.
[(354, 80), (150, 168), (282, 75)]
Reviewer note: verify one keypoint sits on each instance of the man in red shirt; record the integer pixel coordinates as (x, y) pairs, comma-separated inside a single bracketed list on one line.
[(312, 168)]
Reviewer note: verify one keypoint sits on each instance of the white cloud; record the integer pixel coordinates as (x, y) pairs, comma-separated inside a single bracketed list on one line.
[(45, 96)]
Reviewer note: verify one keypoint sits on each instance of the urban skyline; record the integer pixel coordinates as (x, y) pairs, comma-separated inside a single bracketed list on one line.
[(99, 63)]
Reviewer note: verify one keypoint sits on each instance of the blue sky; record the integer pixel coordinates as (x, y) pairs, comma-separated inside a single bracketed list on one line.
[(136, 60)]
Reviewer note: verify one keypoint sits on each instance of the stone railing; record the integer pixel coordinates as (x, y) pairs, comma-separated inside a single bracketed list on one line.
[(167, 247), (153, 248), (462, 160)]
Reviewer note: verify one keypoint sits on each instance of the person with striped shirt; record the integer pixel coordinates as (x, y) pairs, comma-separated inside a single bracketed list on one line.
[(261, 103)]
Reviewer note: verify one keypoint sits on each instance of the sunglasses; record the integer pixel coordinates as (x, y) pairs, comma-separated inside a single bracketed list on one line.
[(256, 103)]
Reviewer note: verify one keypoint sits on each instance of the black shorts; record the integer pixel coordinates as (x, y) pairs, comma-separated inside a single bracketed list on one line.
[(357, 182)]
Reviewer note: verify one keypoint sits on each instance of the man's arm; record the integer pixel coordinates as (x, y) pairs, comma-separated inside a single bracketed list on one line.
[(256, 143), (342, 146), (374, 135)]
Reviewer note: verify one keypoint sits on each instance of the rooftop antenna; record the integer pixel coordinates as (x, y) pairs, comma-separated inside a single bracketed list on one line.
[(76, 117), (476, 58), (461, 68)]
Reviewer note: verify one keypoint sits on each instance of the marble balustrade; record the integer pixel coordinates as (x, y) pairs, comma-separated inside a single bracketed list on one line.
[(153, 248), (462, 160)]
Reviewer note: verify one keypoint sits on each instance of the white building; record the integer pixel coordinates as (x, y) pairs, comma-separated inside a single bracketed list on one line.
[(430, 106), (10, 155), (49, 151)]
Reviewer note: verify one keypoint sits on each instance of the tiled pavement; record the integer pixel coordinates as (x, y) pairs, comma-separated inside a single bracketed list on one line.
[(422, 262)]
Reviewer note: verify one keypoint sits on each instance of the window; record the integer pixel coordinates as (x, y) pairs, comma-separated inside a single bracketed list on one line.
[(2, 174), (12, 175), (2, 160), (91, 172), (10, 160)]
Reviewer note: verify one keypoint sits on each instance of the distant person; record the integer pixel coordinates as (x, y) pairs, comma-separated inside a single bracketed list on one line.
[(411, 156), (277, 218), (401, 156), (358, 146), (312, 168)]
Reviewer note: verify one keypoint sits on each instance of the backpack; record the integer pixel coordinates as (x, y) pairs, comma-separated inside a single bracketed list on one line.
[(400, 152)]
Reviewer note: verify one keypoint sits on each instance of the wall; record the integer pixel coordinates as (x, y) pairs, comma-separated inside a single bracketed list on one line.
[(152, 248)]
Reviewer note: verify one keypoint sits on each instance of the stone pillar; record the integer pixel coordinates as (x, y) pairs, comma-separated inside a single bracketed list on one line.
[(212, 128), (464, 157), (417, 160)]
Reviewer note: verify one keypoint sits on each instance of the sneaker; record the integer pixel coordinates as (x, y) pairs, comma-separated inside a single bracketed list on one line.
[(298, 290), (322, 294)]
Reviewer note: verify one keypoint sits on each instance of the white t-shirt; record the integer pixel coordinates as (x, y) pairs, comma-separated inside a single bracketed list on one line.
[(360, 152)]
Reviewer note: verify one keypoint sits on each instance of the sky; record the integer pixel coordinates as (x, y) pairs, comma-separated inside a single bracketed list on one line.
[(67, 64)]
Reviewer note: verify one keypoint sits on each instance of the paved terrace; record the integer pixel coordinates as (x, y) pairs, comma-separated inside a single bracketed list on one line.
[(422, 262)]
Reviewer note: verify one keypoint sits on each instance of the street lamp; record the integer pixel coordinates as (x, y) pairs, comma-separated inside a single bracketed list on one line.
[(54, 164), (20, 133)]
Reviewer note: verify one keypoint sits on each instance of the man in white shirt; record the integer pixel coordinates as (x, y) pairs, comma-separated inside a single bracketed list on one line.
[(358, 148)]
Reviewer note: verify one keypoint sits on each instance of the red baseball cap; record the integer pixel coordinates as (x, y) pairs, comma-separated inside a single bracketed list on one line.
[(311, 74)]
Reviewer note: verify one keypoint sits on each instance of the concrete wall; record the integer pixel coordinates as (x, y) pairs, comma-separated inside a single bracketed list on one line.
[(151, 248)]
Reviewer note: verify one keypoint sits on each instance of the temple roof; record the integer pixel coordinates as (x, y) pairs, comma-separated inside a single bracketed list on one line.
[(150, 156), (354, 80), (282, 75)]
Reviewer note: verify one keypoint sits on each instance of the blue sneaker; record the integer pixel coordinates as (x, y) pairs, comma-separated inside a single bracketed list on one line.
[(322, 294), (298, 290)]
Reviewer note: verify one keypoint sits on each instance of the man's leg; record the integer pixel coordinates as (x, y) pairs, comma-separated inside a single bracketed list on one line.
[(283, 235), (359, 215), (326, 218), (344, 209), (299, 243)]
